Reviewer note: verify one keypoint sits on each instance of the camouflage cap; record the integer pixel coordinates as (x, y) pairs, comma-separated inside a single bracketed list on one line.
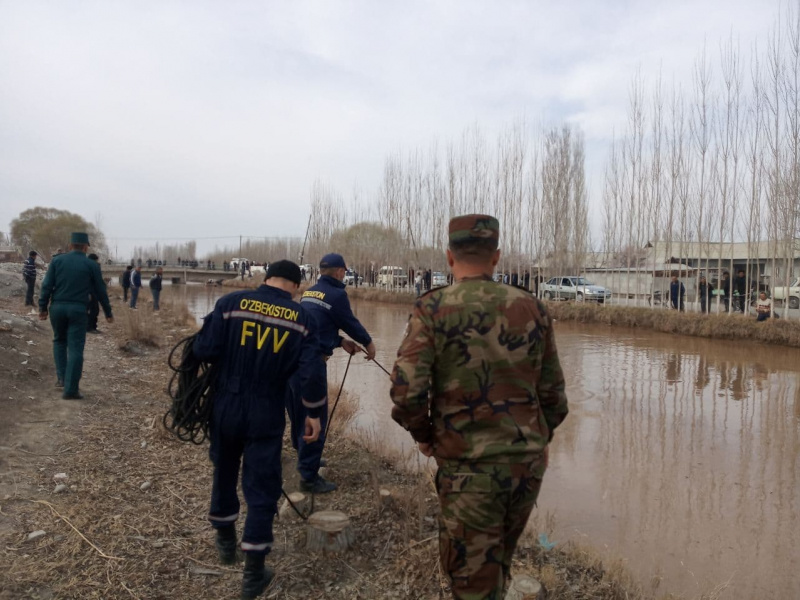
[(473, 228)]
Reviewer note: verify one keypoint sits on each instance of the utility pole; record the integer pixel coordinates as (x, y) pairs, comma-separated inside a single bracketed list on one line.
[(240, 247)]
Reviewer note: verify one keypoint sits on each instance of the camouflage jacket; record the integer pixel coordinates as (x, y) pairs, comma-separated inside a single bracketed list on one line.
[(478, 375)]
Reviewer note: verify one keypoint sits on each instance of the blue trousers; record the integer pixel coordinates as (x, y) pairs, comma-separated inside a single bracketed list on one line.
[(308, 454), (30, 282), (260, 462), (156, 296), (69, 321), (134, 295)]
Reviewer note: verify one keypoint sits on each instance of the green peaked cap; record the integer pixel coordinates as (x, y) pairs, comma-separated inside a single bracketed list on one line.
[(472, 228), (79, 237)]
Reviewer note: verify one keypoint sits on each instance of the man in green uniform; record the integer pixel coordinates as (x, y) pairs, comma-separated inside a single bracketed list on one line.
[(68, 283), (479, 385)]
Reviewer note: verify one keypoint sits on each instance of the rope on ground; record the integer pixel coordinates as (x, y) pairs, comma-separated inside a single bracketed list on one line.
[(67, 521)]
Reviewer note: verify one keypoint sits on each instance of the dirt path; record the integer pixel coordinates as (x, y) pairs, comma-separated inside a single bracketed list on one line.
[(131, 520), (137, 498)]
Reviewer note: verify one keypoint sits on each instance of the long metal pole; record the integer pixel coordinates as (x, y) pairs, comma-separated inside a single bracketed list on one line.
[(303, 250)]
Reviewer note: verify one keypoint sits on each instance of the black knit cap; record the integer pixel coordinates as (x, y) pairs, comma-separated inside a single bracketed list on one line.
[(285, 269)]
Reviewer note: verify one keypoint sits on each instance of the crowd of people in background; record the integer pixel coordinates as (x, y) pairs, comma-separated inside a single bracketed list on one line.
[(733, 294)]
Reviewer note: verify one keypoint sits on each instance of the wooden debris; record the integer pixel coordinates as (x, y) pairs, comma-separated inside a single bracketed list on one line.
[(300, 500), (329, 531), (525, 587)]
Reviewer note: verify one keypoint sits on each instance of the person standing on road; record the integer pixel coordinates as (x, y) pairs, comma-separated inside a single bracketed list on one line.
[(125, 281), (725, 285), (706, 291), (479, 386), (136, 284), (155, 286), (740, 290), (66, 287), (29, 275), (257, 339), (327, 302), (93, 307), (677, 293)]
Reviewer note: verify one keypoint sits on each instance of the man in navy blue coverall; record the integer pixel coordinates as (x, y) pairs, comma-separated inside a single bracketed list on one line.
[(257, 340), (327, 301)]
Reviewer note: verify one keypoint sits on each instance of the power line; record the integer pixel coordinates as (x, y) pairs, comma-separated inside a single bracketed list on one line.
[(218, 237)]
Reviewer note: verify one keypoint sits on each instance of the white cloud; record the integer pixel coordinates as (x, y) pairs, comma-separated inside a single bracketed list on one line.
[(197, 119)]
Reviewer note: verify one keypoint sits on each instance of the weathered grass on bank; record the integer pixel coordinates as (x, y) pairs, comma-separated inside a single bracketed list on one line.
[(370, 294), (723, 327), (140, 329), (144, 327)]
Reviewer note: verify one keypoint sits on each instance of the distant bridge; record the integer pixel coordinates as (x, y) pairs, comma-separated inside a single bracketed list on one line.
[(177, 274)]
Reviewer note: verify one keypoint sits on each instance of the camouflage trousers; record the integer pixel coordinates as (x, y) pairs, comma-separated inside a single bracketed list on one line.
[(484, 509)]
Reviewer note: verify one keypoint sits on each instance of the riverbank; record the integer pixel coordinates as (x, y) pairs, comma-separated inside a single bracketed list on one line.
[(783, 332), (721, 327), (131, 519), (365, 293)]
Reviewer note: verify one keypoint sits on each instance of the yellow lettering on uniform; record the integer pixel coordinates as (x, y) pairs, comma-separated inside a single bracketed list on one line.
[(262, 338), (246, 327), (276, 343), (313, 294), (243, 304)]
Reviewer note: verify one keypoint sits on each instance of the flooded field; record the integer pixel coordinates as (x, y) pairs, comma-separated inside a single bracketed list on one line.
[(680, 455)]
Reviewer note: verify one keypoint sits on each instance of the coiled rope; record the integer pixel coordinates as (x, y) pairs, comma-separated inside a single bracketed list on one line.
[(190, 388)]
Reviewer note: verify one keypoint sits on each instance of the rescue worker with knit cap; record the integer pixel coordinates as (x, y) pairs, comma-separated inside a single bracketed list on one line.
[(479, 386), (257, 339)]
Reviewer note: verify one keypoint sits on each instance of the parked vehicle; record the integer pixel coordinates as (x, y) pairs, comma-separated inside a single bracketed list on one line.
[(236, 263), (350, 277), (574, 288), (779, 293), (438, 279), (391, 276)]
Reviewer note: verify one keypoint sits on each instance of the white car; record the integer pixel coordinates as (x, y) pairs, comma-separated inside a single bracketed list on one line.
[(350, 277), (779, 293), (574, 288), (438, 279)]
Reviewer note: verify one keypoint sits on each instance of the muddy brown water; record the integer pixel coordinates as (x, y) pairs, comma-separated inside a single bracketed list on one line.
[(681, 456)]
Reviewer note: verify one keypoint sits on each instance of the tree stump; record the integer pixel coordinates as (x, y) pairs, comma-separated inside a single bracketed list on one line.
[(329, 531), (299, 499), (525, 587)]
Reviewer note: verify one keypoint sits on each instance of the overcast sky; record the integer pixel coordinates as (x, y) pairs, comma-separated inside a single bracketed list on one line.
[(203, 119)]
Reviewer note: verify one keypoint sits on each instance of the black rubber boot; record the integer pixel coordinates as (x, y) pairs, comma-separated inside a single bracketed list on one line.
[(256, 576), (226, 544)]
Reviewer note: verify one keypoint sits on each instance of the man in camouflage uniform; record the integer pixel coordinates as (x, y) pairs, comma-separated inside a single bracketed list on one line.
[(478, 384)]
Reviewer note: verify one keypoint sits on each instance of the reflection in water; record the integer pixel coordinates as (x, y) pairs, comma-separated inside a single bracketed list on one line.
[(680, 454)]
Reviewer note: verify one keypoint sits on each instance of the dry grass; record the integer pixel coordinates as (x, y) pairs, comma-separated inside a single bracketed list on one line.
[(344, 411), (110, 447), (725, 327), (371, 294), (145, 328), (140, 329)]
